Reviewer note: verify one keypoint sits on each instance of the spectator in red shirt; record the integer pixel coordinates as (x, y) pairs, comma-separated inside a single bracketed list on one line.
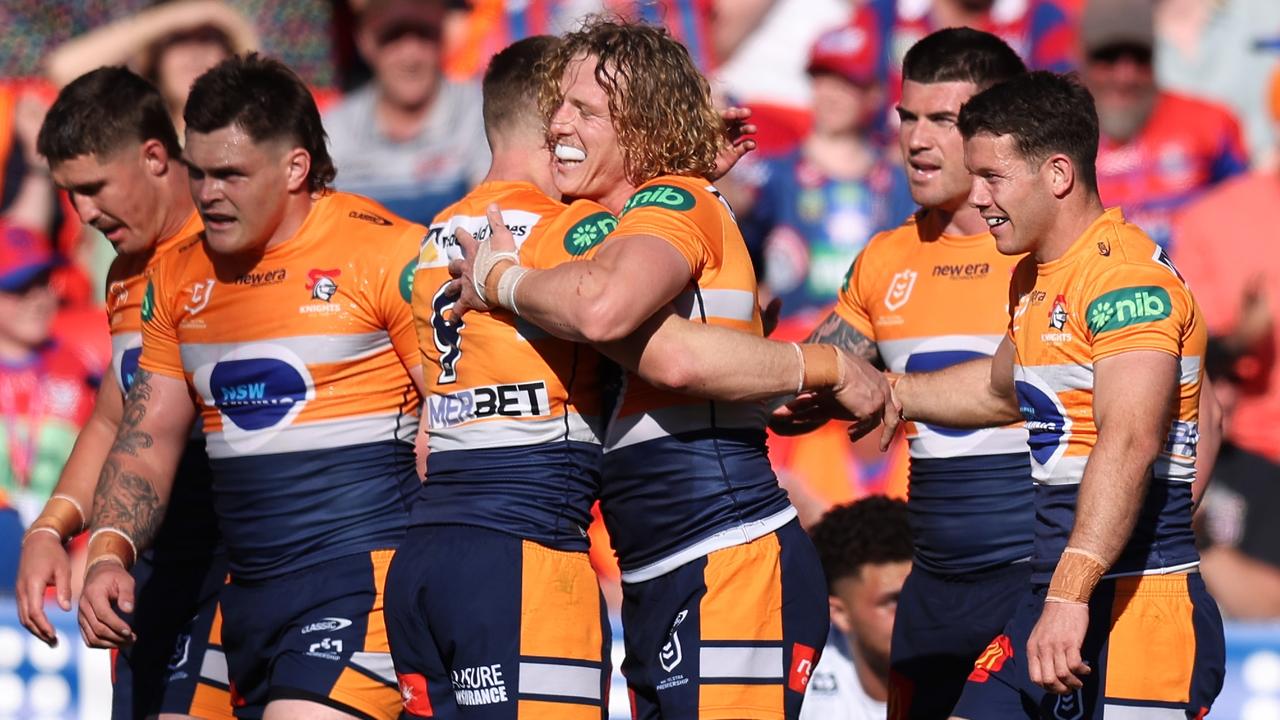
[(1159, 150)]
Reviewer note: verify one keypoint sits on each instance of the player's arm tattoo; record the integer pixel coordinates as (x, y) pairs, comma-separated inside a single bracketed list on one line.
[(126, 500), (835, 331)]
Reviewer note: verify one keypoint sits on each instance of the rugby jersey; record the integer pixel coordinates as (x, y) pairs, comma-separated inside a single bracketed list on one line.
[(513, 413), (683, 476), (189, 525), (299, 365), (929, 301), (1114, 291)]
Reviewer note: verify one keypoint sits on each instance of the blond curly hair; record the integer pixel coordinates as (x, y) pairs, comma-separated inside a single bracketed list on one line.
[(660, 104)]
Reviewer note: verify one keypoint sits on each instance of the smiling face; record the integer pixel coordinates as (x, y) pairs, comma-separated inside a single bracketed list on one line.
[(588, 156), (932, 148), (241, 187), (119, 196), (1013, 194)]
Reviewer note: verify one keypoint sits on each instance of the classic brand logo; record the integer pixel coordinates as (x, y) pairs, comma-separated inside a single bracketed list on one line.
[(368, 217), (663, 196), (900, 289), (589, 232), (1128, 306)]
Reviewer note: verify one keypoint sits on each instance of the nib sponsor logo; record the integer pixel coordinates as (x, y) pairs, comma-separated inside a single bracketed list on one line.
[(1129, 306)]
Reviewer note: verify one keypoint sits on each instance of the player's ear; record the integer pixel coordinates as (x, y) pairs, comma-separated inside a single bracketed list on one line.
[(1062, 174), (155, 157), (298, 167), (840, 616)]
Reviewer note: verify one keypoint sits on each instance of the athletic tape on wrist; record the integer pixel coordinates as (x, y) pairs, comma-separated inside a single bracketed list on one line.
[(62, 515), (800, 360), (1076, 576), (115, 543), (822, 367), (507, 285), (486, 259)]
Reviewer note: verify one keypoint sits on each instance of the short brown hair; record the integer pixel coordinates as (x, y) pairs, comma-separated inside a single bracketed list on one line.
[(660, 104)]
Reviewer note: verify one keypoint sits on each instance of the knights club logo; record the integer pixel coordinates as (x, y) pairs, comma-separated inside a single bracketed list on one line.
[(1058, 313), (322, 285)]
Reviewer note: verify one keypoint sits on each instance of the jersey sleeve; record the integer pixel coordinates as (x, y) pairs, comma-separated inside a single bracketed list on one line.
[(852, 304), (1137, 307), (394, 295), (683, 223), (575, 235), (160, 351)]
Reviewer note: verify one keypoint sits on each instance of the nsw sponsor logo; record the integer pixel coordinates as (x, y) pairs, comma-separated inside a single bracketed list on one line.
[(1128, 306), (589, 232), (667, 197), (1047, 421), (257, 393), (329, 624), (512, 400)]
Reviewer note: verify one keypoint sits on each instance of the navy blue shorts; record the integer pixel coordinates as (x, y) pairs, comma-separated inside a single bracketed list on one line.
[(486, 625), (1154, 644), (943, 623), (316, 634), (177, 664), (734, 634)]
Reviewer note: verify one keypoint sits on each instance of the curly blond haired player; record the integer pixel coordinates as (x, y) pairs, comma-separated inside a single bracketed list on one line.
[(722, 592)]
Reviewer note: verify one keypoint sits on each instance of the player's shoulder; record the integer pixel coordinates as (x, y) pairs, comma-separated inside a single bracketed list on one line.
[(1119, 253), (578, 230), (359, 214), (894, 244), (673, 193)]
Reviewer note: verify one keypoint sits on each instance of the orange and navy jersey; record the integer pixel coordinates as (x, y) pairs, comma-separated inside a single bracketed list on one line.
[(514, 416), (189, 522), (930, 301), (1113, 292), (683, 476), (299, 362)]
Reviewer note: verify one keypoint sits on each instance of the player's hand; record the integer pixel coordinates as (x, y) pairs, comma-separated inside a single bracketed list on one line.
[(802, 414), (477, 257), (43, 562), (863, 396), (1053, 649), (737, 141), (107, 586)]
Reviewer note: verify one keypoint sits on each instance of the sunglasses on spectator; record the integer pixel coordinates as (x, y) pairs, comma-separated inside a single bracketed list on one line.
[(396, 31), (1115, 53)]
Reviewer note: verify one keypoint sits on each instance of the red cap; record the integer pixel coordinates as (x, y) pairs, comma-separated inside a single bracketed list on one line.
[(24, 254), (851, 51)]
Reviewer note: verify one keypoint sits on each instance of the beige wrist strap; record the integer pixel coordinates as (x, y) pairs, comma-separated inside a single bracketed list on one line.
[(822, 367), (109, 542), (1075, 578), (62, 516)]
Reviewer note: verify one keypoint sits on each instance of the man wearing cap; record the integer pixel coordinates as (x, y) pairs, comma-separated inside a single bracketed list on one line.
[(46, 388), (1159, 150), (815, 207), (410, 139)]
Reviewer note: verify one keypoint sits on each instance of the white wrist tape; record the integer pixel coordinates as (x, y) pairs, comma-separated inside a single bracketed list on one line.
[(507, 284), (485, 260)]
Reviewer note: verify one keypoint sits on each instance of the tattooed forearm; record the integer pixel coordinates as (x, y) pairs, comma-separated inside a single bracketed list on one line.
[(128, 438), (836, 331), (128, 502)]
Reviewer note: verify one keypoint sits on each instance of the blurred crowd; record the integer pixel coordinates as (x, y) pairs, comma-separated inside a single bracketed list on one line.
[(1188, 98)]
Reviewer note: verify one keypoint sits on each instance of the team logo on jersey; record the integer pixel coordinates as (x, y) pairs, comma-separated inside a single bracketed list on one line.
[(1058, 313), (406, 280), (149, 302), (322, 285), (670, 654), (589, 232), (992, 659), (1068, 707), (1104, 248), (802, 661), (668, 197), (1129, 306), (900, 288), (117, 294), (201, 293)]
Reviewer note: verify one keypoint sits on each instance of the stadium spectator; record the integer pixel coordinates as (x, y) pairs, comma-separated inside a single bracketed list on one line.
[(409, 138), (1223, 50), (816, 207), (46, 387), (1240, 557), (1159, 149), (865, 548), (170, 45)]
